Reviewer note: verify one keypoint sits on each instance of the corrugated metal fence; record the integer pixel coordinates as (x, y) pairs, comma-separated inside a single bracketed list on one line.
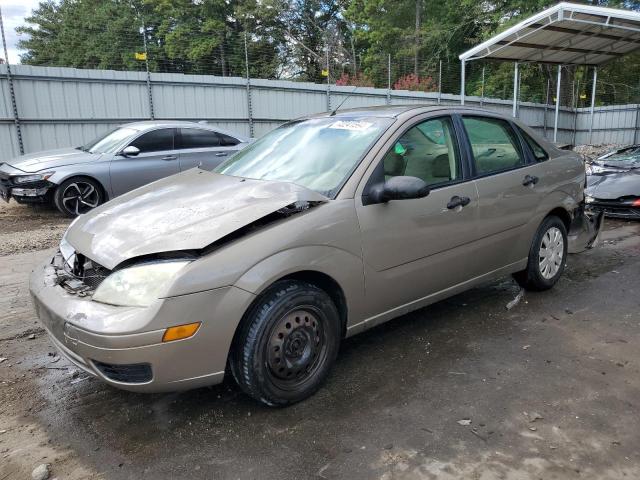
[(61, 107)]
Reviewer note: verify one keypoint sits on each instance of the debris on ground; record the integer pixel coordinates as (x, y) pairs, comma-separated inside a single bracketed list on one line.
[(516, 299), (41, 472), (464, 422), (32, 336), (533, 416), (3, 359), (595, 151)]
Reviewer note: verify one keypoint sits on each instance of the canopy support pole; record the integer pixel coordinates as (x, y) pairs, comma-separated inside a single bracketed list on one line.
[(515, 90), (593, 101), (555, 121), (462, 74)]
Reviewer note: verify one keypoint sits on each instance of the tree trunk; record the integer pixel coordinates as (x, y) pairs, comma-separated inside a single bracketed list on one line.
[(223, 64)]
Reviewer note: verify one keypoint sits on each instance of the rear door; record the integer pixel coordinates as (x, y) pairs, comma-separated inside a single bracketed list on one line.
[(508, 190), (199, 147), (157, 159)]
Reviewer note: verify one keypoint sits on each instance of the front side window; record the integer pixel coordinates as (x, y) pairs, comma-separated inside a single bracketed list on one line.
[(538, 152), (198, 138), (155, 141), (427, 151), (318, 153), (494, 144), (109, 142)]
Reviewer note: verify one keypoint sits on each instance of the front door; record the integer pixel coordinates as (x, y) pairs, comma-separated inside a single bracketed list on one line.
[(157, 159), (415, 248)]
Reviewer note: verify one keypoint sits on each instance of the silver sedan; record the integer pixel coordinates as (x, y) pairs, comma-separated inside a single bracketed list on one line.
[(78, 179)]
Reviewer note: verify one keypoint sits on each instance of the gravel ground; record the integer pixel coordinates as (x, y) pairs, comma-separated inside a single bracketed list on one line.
[(463, 389), (24, 228)]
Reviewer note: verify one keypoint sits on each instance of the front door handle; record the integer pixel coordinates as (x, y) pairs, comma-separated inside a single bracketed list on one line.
[(169, 157), (457, 201), (530, 180), (221, 154)]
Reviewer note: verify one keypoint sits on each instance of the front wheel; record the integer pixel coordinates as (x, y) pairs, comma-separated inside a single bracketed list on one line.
[(77, 195), (287, 344), (547, 256)]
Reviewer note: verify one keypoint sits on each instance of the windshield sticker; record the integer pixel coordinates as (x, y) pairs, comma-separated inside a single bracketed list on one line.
[(351, 125)]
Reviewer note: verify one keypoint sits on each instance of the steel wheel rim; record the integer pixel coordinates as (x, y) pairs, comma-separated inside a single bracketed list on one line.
[(551, 253), (80, 197), (296, 347)]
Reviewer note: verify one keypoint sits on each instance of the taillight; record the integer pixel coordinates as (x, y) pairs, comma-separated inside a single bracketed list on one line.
[(636, 202)]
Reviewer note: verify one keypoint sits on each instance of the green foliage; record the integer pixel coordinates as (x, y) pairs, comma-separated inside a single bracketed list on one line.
[(354, 39)]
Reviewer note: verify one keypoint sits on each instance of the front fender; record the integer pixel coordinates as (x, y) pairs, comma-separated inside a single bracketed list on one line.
[(342, 266)]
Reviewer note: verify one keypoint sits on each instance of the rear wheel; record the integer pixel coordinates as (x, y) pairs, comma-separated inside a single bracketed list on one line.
[(78, 195), (547, 256), (287, 344)]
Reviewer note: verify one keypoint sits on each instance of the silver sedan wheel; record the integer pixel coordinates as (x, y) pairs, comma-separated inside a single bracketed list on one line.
[(80, 197), (551, 253)]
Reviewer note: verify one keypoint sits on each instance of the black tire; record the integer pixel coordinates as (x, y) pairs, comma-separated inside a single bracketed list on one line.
[(536, 277), (286, 344), (78, 195)]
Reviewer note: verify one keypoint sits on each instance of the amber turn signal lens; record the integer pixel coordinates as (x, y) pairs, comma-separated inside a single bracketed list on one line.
[(180, 332)]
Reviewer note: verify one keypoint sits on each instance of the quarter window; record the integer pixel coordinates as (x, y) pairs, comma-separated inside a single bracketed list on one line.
[(494, 144), (155, 141), (538, 152), (227, 141), (427, 151), (197, 138)]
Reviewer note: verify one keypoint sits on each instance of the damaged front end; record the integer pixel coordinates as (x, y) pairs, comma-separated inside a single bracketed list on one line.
[(75, 273), (585, 229)]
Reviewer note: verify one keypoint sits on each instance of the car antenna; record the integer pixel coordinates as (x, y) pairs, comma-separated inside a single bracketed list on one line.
[(332, 114)]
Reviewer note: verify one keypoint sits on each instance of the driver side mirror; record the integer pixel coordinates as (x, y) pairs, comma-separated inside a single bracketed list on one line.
[(130, 151), (399, 188)]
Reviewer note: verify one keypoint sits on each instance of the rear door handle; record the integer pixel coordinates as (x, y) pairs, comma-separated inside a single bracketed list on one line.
[(169, 157), (221, 154), (530, 180), (457, 201)]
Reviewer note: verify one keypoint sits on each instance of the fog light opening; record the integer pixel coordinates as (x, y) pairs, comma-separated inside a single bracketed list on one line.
[(180, 332)]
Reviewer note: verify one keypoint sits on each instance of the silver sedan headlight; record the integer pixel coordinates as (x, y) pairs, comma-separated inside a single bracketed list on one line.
[(138, 286), (37, 177)]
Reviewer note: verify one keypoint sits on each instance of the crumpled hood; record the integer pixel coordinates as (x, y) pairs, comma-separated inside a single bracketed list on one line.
[(613, 185), (187, 211), (50, 159)]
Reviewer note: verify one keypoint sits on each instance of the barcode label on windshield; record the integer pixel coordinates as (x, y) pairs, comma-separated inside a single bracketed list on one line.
[(351, 125)]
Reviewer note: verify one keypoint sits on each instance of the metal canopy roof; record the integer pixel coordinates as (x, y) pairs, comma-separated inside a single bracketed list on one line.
[(566, 34)]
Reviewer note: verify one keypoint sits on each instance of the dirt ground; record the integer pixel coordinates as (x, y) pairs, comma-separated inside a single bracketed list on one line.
[(462, 389), (26, 229)]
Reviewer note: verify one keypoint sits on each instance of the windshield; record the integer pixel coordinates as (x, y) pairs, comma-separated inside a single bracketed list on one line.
[(318, 153), (110, 142)]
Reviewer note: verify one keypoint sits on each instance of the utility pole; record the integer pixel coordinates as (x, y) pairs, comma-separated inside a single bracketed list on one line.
[(249, 107), (146, 64), (16, 118), (415, 66)]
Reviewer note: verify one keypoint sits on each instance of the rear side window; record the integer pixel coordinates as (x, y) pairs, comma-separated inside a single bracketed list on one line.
[(197, 138), (227, 141), (538, 152), (494, 143), (155, 141)]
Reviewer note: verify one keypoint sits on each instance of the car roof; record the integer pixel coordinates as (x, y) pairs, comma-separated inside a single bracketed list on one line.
[(394, 111), (152, 124)]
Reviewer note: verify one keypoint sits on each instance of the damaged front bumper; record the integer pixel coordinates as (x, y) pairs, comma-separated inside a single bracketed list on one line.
[(123, 346), (585, 229)]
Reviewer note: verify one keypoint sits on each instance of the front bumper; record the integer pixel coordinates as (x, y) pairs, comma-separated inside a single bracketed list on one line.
[(92, 335), (616, 208)]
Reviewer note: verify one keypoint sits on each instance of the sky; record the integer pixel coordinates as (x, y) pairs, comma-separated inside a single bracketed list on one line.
[(13, 13)]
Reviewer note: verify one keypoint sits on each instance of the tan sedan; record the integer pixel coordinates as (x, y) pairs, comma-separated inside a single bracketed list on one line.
[(321, 229)]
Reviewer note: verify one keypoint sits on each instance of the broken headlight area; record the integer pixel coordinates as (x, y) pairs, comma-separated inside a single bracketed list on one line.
[(75, 273)]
